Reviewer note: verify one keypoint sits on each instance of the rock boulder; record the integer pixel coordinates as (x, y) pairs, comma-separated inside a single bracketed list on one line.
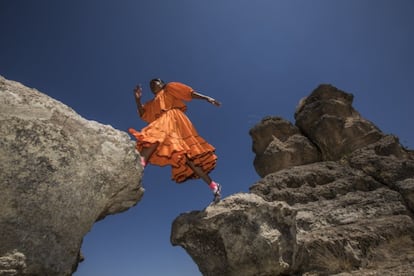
[(336, 198), (59, 173)]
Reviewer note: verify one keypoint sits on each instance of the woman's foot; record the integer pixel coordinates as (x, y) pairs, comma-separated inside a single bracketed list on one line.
[(143, 162), (216, 188)]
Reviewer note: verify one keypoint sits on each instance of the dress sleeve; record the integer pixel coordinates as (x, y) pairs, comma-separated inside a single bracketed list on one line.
[(179, 91)]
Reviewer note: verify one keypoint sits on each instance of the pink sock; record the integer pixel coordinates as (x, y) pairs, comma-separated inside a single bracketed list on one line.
[(213, 186), (143, 163)]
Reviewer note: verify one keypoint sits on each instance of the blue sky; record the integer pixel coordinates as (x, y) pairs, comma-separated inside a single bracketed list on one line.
[(258, 58)]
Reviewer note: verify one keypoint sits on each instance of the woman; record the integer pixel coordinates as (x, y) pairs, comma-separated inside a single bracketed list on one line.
[(170, 138)]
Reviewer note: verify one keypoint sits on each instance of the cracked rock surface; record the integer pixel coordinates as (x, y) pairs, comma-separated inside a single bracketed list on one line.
[(336, 198)]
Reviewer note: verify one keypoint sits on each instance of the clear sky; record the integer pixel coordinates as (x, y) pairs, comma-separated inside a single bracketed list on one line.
[(258, 57)]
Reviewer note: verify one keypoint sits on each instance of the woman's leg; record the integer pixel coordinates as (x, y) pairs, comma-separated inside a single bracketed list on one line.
[(146, 153), (198, 171), (215, 187)]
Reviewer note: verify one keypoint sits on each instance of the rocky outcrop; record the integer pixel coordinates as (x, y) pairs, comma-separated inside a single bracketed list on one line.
[(344, 206), (328, 119), (232, 237), (59, 173), (277, 139)]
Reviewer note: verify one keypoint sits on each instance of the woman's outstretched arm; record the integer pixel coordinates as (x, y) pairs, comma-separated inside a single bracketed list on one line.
[(197, 95)]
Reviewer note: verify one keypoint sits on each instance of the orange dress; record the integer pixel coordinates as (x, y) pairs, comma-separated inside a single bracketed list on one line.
[(170, 127)]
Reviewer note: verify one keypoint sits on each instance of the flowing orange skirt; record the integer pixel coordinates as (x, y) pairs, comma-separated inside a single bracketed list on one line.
[(178, 140)]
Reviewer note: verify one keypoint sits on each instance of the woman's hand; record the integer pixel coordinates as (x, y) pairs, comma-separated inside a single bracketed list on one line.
[(138, 92), (213, 101)]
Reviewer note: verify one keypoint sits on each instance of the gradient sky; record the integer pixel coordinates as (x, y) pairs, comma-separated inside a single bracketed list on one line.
[(258, 57)]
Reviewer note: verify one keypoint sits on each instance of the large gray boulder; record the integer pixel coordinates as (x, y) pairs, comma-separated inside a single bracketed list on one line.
[(59, 173), (242, 235)]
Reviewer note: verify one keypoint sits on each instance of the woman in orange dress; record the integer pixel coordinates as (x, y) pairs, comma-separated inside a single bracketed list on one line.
[(170, 138)]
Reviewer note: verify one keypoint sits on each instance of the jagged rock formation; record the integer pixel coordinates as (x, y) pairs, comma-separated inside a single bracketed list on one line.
[(336, 197), (277, 139), (59, 173)]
